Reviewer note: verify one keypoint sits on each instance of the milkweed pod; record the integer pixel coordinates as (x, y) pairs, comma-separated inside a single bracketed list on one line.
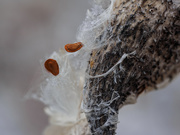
[(52, 66), (73, 47)]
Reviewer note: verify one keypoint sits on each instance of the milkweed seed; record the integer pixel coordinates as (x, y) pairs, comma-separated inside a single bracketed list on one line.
[(52, 66), (73, 47)]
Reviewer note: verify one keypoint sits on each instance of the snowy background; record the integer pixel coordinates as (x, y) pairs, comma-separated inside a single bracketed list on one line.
[(32, 29)]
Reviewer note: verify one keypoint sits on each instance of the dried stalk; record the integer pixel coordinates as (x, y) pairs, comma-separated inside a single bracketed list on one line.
[(141, 54)]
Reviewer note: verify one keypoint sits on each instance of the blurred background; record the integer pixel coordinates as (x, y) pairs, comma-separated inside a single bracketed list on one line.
[(32, 29)]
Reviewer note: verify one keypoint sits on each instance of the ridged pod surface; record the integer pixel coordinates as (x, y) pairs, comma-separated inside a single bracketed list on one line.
[(142, 53)]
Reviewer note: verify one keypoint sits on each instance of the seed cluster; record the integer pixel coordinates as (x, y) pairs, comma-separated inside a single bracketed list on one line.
[(52, 66)]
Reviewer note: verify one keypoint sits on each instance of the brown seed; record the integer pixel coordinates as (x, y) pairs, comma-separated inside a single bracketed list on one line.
[(52, 66), (73, 47)]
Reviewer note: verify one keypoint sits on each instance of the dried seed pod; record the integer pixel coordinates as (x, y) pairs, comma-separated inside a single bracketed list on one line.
[(138, 54), (73, 47), (52, 66)]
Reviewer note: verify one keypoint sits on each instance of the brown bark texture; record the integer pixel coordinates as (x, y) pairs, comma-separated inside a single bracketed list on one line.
[(142, 51)]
